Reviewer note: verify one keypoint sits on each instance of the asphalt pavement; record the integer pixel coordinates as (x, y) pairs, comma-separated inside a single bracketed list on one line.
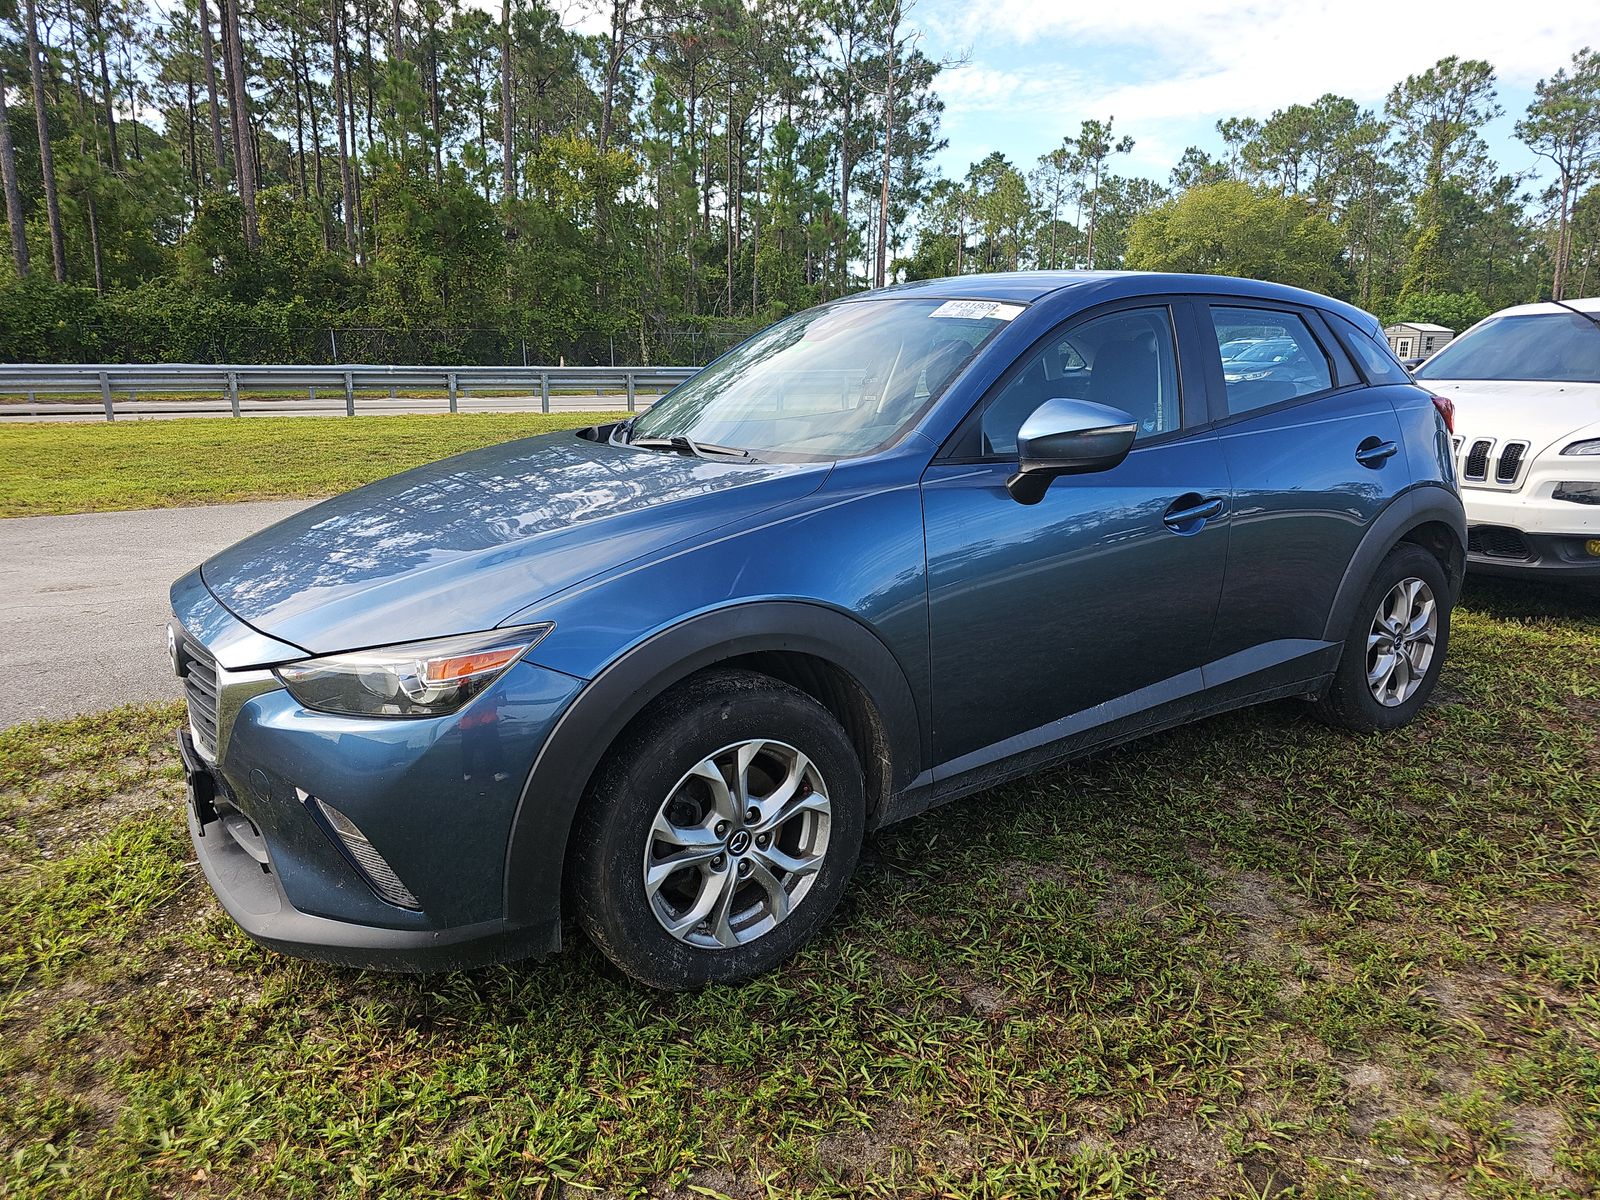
[(83, 601)]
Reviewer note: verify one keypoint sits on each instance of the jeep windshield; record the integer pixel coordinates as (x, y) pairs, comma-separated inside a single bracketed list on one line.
[(1555, 347), (838, 381)]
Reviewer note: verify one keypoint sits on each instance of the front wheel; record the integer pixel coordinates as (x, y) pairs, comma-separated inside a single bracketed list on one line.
[(1395, 647), (719, 833)]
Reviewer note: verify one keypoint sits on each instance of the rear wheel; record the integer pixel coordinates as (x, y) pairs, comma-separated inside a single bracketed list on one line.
[(719, 833), (1395, 647)]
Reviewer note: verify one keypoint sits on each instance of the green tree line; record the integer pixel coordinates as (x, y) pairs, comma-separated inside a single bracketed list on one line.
[(283, 180)]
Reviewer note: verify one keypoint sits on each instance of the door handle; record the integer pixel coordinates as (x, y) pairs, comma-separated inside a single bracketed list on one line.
[(1374, 452), (1191, 510)]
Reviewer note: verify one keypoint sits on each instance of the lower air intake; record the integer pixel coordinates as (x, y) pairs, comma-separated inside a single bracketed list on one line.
[(380, 875), (1496, 541)]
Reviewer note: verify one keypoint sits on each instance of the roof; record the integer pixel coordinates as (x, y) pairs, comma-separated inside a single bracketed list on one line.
[(1001, 285), (1095, 286), (1588, 304), (1422, 326)]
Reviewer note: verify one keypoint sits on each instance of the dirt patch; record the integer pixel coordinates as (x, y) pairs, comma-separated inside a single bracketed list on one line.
[(1270, 920), (1186, 1154), (48, 825), (1370, 1097), (1538, 1135), (1128, 897), (853, 1155), (987, 1000)]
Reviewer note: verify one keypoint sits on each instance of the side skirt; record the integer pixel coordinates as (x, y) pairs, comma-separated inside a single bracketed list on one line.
[(1306, 674)]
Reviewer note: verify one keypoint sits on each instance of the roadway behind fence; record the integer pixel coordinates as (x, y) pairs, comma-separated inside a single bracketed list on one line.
[(63, 391)]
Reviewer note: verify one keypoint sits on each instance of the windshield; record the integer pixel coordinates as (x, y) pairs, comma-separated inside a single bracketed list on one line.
[(833, 382), (1559, 347)]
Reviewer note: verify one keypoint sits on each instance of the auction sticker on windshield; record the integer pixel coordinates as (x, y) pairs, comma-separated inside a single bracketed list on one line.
[(977, 310)]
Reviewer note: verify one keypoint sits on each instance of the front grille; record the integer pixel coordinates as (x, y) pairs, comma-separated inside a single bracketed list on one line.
[(1510, 462), (1496, 541), (1477, 464), (200, 690)]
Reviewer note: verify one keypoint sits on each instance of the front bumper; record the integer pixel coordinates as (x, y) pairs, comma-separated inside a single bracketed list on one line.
[(433, 799), (252, 895), (1506, 550), (1523, 529), (239, 864)]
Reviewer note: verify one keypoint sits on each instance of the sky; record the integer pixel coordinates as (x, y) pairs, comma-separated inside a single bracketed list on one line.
[(1167, 70)]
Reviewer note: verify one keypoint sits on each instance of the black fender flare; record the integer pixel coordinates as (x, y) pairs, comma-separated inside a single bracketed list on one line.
[(1426, 503), (540, 828)]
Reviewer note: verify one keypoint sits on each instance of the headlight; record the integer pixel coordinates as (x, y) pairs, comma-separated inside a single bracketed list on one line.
[(421, 679), (1592, 446)]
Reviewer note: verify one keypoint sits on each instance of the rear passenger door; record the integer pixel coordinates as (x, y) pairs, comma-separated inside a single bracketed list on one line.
[(1314, 455)]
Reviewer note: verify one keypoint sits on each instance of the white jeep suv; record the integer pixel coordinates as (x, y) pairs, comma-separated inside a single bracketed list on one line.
[(1526, 388)]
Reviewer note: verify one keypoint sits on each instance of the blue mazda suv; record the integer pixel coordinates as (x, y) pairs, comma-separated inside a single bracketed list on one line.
[(662, 676)]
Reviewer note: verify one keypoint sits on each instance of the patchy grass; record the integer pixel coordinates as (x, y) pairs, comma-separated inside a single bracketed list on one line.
[(158, 464), (1252, 957)]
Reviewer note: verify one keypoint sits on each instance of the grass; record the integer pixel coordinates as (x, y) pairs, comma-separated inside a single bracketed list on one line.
[(155, 464), (1252, 957)]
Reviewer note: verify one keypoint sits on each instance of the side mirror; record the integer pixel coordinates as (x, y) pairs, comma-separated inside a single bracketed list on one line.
[(1068, 437)]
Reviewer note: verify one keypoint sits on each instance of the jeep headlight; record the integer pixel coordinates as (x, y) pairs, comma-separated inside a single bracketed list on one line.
[(1592, 446), (418, 679)]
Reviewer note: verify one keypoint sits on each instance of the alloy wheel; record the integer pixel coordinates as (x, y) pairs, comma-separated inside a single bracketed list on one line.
[(1401, 641), (737, 844)]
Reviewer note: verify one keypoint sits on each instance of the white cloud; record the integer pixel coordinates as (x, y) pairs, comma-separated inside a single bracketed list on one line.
[(1165, 59)]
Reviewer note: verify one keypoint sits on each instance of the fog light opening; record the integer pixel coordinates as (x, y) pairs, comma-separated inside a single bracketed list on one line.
[(1578, 493), (378, 873)]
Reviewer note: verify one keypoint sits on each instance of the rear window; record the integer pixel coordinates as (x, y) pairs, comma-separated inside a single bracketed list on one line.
[(1377, 360), (1560, 347), (1284, 362)]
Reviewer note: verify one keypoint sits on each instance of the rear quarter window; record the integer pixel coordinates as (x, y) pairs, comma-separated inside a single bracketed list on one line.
[(1377, 361)]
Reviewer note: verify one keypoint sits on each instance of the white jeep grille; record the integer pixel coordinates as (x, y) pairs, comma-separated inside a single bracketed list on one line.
[(1490, 461)]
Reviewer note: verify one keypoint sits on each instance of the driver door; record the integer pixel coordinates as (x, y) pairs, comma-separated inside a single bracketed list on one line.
[(1098, 601)]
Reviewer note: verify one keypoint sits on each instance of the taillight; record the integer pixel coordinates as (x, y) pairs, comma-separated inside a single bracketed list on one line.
[(1447, 410)]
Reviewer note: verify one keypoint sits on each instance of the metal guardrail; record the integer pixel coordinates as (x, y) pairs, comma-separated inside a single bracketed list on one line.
[(112, 379)]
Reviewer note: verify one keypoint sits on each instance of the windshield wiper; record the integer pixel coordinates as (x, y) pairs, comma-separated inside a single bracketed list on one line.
[(685, 445), (1589, 317)]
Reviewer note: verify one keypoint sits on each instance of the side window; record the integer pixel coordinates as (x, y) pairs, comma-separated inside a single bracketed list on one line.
[(1127, 360), (1376, 359), (1268, 356)]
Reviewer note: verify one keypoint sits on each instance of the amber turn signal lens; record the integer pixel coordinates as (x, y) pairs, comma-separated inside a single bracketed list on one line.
[(464, 666)]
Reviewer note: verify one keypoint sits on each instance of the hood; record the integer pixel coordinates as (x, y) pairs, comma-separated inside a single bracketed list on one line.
[(460, 545), (1537, 412)]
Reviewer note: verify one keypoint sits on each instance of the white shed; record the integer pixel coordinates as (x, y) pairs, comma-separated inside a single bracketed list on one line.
[(1417, 339)]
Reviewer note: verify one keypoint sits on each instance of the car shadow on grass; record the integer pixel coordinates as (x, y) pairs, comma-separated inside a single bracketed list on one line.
[(1518, 599)]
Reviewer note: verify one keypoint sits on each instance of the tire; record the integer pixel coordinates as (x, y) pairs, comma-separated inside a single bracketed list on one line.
[(652, 815), (1353, 700)]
